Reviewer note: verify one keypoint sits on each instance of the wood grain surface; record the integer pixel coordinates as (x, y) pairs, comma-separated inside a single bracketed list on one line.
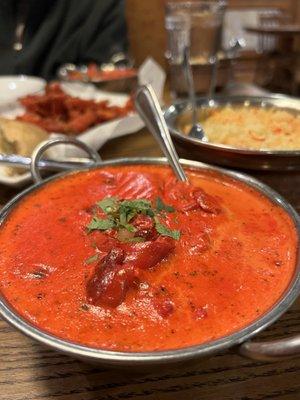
[(29, 371)]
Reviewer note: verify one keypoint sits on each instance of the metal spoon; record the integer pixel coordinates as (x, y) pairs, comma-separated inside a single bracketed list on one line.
[(196, 130), (149, 110)]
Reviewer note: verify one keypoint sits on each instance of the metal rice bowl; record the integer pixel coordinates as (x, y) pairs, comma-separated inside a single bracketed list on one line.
[(281, 160)]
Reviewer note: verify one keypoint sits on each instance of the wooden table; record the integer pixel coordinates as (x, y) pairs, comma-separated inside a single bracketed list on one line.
[(29, 371)]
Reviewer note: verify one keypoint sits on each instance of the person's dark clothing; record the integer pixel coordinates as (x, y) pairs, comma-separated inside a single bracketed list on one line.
[(58, 32)]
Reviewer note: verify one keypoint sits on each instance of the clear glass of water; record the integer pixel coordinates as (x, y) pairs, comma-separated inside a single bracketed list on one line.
[(197, 24)]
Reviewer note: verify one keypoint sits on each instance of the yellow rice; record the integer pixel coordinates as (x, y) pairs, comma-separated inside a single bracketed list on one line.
[(253, 128)]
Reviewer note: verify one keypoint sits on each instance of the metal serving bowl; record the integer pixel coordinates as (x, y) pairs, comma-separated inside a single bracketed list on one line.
[(142, 361), (179, 113)]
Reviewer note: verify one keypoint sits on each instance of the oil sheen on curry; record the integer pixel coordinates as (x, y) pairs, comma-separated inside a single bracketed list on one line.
[(127, 258)]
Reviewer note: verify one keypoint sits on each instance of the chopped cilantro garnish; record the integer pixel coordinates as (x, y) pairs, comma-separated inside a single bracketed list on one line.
[(161, 206), (165, 231), (100, 224), (138, 205), (108, 205), (121, 213), (129, 227), (130, 208)]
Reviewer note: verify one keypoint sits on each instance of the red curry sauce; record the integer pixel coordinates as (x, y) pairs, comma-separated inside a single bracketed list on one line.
[(235, 257)]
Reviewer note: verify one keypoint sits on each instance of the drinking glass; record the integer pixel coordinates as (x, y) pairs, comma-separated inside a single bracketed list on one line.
[(197, 24)]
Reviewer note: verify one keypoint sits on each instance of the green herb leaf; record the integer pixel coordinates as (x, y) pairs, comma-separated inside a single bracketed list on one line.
[(91, 259), (165, 231), (130, 215), (123, 218), (129, 227), (100, 224), (120, 213), (138, 205), (108, 205), (150, 213), (161, 206), (129, 209)]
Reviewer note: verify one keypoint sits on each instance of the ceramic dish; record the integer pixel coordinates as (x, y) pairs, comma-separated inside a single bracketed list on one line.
[(14, 86)]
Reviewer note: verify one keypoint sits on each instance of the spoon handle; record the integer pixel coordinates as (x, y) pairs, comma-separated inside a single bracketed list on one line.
[(149, 110), (187, 68), (15, 160)]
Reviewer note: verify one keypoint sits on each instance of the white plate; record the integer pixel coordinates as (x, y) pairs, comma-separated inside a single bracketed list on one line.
[(149, 72), (94, 137), (13, 87)]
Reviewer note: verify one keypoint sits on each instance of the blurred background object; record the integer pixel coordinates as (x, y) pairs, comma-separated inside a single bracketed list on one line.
[(197, 25), (116, 75), (255, 60), (260, 41), (276, 68), (145, 30), (36, 37)]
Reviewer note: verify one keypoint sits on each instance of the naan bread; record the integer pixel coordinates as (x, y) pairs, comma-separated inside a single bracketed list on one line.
[(19, 138)]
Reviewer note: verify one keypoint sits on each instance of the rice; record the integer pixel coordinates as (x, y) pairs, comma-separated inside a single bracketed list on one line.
[(253, 128)]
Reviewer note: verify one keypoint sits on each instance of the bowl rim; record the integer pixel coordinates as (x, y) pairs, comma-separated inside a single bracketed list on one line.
[(119, 358), (179, 106)]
